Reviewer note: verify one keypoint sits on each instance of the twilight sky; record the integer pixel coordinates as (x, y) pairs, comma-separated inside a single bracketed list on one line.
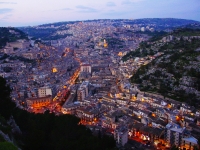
[(35, 12)]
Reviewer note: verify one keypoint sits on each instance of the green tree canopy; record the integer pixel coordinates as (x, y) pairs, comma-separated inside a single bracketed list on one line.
[(7, 146)]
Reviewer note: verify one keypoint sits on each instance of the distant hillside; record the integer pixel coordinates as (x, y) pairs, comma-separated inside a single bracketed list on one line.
[(150, 47), (49, 31), (158, 21), (161, 23), (176, 73), (56, 24), (193, 26), (10, 35)]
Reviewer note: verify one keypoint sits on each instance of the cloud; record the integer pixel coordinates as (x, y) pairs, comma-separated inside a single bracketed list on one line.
[(129, 2), (6, 17), (116, 14), (66, 9), (5, 10), (110, 4), (126, 2), (8, 3), (86, 9), (62, 9)]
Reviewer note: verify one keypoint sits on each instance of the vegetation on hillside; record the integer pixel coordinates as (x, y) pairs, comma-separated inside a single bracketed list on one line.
[(158, 24), (156, 35), (175, 74), (162, 21), (20, 58), (143, 51), (152, 46), (7, 36), (45, 34), (114, 42), (7, 146), (186, 32)]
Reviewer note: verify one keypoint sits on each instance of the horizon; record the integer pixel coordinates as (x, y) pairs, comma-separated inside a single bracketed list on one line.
[(18, 13), (102, 19)]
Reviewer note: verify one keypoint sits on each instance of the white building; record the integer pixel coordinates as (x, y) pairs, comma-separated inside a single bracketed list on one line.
[(143, 29), (86, 68), (121, 135), (83, 91), (21, 44), (175, 135), (8, 50), (44, 91), (189, 143)]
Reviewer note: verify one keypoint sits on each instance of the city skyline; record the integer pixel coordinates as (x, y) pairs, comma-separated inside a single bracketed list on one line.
[(23, 13)]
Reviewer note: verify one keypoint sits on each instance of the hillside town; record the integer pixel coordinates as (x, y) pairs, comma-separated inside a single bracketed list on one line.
[(84, 75)]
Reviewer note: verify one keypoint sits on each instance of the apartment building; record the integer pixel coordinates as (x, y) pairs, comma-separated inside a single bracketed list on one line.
[(83, 91), (121, 135), (44, 91)]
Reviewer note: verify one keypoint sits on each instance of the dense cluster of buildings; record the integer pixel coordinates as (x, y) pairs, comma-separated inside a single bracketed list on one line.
[(103, 95), (36, 71)]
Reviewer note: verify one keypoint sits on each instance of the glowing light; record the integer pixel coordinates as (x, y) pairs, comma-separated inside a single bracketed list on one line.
[(120, 54), (178, 118), (134, 98), (105, 44), (54, 70), (169, 106)]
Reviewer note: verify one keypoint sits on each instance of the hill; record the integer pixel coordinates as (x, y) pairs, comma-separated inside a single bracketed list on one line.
[(10, 35), (163, 41), (175, 73), (160, 23), (47, 31), (52, 31), (164, 21)]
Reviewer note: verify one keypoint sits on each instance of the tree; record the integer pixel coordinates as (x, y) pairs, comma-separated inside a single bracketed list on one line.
[(198, 141), (196, 148), (174, 148), (6, 105), (7, 146)]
